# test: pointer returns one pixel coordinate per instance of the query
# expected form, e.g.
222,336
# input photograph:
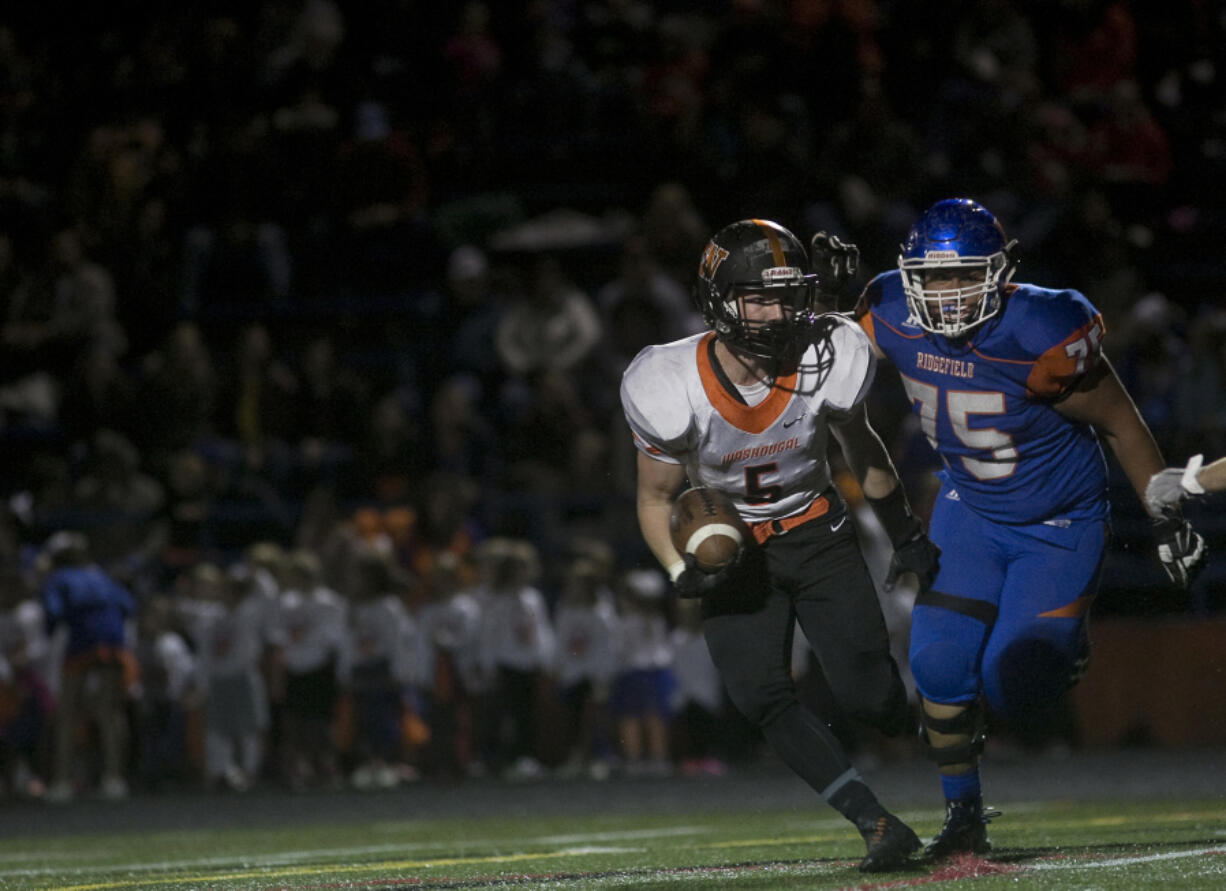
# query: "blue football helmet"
960,237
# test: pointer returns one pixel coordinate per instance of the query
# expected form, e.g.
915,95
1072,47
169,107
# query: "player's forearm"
872,468
1212,477
1101,401
867,457
658,482
653,514
1134,447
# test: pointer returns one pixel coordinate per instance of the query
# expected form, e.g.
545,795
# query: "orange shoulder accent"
865,321
1058,368
750,418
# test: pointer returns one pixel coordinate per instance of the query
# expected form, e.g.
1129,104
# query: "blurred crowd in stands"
311,311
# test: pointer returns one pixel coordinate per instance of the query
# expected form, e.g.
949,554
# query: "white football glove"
1168,487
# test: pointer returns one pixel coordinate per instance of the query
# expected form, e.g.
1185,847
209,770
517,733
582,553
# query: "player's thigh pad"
1040,628
752,650
950,623
837,606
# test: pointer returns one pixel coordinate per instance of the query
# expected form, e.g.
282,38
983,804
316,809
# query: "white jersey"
383,631
516,631
770,458
315,624
228,640
587,641
643,641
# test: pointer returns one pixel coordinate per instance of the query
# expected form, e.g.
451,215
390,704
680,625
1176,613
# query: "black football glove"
918,555
913,549
695,583
835,261
1180,549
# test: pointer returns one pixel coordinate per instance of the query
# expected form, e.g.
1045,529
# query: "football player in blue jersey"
1014,393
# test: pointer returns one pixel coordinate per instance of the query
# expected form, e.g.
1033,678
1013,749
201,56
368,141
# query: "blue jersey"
92,604
986,403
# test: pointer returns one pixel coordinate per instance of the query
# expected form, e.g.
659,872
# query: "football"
704,522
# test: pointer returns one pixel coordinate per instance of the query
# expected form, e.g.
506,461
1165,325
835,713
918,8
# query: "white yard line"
1121,860
288,858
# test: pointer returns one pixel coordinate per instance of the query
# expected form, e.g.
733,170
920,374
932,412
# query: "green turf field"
1049,845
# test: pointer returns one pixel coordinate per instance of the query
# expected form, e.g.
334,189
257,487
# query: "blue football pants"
1007,613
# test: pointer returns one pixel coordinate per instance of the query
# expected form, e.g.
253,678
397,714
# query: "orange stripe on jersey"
1058,368
645,445
1074,610
904,335
750,418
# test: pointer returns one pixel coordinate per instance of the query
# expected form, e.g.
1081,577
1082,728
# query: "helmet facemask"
956,238
953,312
774,338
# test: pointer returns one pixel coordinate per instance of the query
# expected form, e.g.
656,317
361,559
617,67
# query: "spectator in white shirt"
226,617
381,672
698,704
585,624
165,694
450,627
264,562
314,620
27,702
517,646
641,699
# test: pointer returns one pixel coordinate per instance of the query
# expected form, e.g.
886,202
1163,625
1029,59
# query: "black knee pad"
968,723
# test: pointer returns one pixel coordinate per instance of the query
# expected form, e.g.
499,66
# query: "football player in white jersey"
747,408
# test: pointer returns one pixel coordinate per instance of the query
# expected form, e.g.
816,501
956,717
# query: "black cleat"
965,830
890,843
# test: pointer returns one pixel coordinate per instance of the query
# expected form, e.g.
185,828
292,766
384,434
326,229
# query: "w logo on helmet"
712,257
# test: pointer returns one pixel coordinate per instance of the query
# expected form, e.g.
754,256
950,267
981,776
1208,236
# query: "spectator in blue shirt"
90,614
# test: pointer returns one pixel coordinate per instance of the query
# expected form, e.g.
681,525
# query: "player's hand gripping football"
835,261
918,555
695,583
1180,549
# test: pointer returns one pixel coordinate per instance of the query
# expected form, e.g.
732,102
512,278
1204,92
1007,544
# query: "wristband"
894,513
675,569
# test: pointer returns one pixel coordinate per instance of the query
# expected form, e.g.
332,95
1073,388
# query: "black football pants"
815,574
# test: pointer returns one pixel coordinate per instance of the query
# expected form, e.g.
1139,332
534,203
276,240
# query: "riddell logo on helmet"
780,273
940,255
712,257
